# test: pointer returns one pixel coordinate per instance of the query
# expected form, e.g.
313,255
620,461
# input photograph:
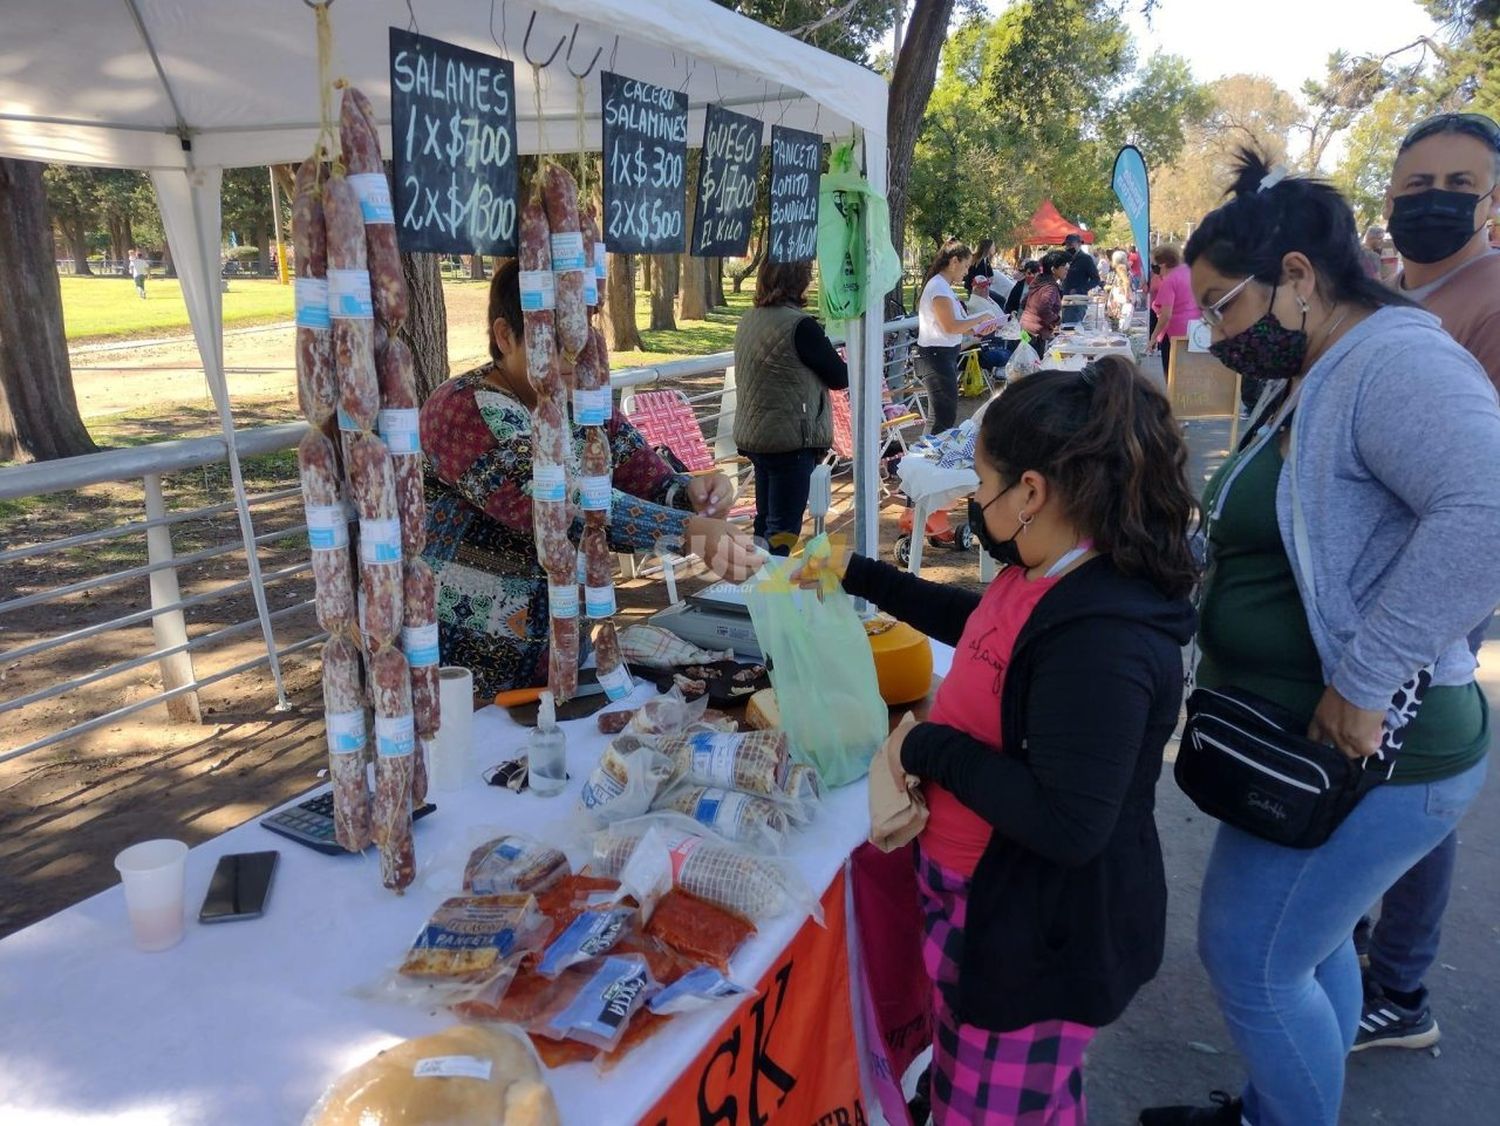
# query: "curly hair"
782,283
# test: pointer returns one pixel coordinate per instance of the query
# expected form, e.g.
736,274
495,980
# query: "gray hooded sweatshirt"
1394,464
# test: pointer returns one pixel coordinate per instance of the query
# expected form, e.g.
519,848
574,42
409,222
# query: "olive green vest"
780,405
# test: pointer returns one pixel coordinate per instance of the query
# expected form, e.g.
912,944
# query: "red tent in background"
1048,228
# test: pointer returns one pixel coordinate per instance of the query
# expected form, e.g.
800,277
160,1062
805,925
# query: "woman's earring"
1302,306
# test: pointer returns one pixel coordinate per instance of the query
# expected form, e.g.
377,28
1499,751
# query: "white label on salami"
420,644
595,493
453,1067
600,270
347,423
567,252
583,569
562,601
599,602
400,428
327,527
380,541
346,732
592,408
549,482
719,809
349,295
374,192
713,757
395,735
310,297
590,289
538,291
617,683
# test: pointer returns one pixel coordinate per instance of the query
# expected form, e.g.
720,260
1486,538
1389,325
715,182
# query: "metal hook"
318,3
526,46
572,39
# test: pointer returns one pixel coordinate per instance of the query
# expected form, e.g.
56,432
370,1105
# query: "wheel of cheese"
903,660
761,713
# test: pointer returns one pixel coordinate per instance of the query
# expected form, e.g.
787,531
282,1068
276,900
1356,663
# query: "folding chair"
892,430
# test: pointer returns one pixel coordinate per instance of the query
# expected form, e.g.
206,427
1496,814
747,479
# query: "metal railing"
171,649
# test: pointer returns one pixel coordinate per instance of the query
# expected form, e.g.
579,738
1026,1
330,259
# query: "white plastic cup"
153,874
452,751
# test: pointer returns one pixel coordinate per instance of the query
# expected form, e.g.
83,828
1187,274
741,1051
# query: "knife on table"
588,685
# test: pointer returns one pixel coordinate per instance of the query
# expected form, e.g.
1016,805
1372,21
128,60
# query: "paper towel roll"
452,751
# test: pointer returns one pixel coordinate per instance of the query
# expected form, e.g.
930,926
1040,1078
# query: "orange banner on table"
788,1056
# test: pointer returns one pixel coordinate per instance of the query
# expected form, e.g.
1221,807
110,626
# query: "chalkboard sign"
796,166
453,147
645,166
727,171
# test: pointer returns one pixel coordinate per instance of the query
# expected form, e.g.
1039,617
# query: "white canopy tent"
186,88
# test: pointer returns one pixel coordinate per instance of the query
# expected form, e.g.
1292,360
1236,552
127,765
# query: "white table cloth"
247,1022
930,488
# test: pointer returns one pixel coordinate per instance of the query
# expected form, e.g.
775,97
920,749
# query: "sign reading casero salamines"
453,147
796,167
727,172
645,162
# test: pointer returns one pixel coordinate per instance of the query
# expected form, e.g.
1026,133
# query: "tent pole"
201,293
867,378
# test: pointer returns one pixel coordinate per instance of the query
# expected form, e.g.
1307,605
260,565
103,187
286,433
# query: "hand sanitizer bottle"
546,753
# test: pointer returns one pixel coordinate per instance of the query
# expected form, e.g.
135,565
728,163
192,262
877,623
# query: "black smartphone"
239,888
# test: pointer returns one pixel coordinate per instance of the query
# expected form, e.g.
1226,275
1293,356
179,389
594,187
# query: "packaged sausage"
590,935
630,774
700,988
594,1003
513,863
756,762
743,818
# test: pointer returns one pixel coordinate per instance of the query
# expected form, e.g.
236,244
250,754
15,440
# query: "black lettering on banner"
645,166
453,147
796,168
761,1063
727,1111
727,173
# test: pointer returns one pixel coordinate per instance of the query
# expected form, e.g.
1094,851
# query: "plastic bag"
697,989
698,929
851,217
1023,361
972,382
743,818
755,762
709,867
822,669
630,774
671,713
594,1003
591,934
513,862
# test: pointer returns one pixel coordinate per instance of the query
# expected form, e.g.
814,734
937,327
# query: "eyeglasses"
1213,315
1473,124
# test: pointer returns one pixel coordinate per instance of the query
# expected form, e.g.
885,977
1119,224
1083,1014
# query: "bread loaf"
762,714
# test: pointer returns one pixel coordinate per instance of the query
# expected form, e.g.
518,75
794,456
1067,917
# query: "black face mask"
1004,552
1433,225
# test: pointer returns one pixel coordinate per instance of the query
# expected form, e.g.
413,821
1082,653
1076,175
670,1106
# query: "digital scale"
714,618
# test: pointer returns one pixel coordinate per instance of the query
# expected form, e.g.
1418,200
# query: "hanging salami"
317,381
395,746
344,715
398,427
349,307
327,533
560,201
367,176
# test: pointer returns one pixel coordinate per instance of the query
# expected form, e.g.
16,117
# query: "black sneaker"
1386,1024
1225,1112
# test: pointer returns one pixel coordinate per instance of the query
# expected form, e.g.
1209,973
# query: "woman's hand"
727,550
1356,732
711,494
890,751
809,573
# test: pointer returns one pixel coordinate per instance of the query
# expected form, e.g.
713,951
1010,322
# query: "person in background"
493,600
784,367
1137,270
1173,302
1030,269
1451,271
1042,894
941,325
980,266
1374,250
1121,293
1376,484
1083,272
139,268
1042,313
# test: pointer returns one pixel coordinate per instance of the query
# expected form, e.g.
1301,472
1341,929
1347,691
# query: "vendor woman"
492,592
1042,894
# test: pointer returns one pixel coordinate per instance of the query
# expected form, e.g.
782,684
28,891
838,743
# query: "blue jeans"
1274,933
1404,943
782,485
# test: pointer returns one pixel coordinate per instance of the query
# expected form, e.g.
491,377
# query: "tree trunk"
663,293
259,237
619,300
76,232
646,271
426,328
167,265
691,270
716,283
757,252
118,251
476,267
911,87
39,417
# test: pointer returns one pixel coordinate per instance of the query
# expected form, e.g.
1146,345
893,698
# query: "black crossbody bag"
1246,762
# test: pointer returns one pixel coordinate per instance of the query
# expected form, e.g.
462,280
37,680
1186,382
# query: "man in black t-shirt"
1083,271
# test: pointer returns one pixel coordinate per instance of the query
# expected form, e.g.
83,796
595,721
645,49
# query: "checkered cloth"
951,449
1030,1077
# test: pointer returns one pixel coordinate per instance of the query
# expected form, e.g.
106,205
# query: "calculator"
310,823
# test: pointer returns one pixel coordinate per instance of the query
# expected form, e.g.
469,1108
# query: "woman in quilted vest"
784,367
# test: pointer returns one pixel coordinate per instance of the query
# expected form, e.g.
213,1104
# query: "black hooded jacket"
1067,909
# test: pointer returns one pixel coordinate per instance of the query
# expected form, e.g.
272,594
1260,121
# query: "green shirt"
1253,630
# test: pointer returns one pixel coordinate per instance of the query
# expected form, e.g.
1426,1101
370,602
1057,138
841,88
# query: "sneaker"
1385,1024
1225,1112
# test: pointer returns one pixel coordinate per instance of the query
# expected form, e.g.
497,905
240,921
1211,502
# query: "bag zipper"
1263,742
1253,765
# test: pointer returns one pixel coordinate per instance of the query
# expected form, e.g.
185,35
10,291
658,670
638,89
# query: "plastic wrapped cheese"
468,1073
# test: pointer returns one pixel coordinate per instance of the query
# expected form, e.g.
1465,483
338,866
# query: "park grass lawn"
107,308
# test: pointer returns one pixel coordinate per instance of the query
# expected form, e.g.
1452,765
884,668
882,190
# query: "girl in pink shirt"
1173,300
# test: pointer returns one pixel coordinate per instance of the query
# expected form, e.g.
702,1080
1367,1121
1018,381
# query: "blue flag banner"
1134,193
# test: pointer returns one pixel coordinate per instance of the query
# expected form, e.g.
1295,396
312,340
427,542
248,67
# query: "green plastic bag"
850,215
821,668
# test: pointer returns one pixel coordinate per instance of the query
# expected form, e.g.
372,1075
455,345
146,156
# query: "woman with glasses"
1352,540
